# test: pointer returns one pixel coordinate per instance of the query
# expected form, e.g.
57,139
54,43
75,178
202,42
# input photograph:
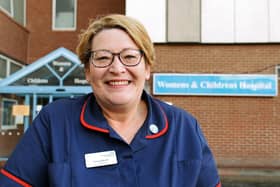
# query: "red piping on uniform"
14,178
219,185
85,124
163,131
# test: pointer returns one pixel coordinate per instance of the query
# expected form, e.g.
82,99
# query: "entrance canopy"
58,73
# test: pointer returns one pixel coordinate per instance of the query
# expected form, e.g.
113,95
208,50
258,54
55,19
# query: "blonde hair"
132,27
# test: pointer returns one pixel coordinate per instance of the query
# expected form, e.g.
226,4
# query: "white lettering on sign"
163,84
80,81
37,81
214,85
56,63
256,86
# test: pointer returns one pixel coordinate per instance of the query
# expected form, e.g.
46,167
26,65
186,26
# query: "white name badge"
101,159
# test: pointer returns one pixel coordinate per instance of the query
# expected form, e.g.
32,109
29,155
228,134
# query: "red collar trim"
89,126
14,178
93,127
164,130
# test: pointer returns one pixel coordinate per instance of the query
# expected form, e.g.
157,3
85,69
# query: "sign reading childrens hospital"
215,84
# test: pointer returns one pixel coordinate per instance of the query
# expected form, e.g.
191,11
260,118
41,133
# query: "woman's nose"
117,66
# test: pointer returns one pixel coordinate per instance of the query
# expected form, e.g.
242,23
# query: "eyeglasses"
104,58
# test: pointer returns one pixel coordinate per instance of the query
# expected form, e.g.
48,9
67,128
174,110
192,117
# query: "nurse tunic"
70,143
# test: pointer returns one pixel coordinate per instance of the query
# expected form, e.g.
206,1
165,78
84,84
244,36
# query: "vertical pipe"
34,105
26,118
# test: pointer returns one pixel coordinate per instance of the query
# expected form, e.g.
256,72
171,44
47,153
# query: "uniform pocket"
59,175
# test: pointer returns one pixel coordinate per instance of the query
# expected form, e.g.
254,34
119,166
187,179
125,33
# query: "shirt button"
153,128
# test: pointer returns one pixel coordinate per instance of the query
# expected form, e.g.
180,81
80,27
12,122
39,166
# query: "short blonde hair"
132,27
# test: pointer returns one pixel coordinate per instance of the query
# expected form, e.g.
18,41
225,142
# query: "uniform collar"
156,124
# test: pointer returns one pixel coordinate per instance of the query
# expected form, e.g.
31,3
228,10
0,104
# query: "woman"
118,135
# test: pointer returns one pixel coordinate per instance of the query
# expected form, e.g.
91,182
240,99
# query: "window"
6,6
8,120
14,67
15,9
64,14
8,66
3,68
19,11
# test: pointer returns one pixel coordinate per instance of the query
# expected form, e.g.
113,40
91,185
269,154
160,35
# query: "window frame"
8,66
54,17
7,126
6,71
24,12
13,62
12,13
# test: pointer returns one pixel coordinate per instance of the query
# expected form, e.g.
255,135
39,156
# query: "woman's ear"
147,72
147,76
87,74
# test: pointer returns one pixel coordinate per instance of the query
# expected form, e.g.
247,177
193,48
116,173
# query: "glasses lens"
130,57
101,58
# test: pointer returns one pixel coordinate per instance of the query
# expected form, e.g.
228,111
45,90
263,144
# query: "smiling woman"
118,86
118,135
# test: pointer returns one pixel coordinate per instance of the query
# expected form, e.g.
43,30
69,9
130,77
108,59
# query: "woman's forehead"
112,38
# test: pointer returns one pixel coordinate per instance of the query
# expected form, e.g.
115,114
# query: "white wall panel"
152,13
184,21
217,21
274,14
251,21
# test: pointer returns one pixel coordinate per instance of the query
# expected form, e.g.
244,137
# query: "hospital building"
219,60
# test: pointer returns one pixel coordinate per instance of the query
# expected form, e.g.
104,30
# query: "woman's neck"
126,121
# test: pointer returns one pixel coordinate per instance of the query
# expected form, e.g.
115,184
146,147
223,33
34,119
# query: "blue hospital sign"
215,84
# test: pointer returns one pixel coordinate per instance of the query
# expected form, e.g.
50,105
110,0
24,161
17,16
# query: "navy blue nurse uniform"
70,143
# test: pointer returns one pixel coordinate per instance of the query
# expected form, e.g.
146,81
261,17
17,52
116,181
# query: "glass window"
8,120
3,68
6,5
19,11
14,67
42,76
76,77
15,9
64,14
8,66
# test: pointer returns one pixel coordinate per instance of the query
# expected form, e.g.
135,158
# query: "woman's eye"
102,58
130,57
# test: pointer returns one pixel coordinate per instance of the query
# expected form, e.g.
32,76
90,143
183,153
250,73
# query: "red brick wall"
13,38
242,131
43,40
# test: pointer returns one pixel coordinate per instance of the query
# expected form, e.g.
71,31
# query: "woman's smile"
117,83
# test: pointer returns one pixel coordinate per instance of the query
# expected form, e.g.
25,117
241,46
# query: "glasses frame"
113,57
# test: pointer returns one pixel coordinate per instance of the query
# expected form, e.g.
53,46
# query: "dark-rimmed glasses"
104,58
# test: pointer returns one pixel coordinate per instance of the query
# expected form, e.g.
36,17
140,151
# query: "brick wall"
13,38
44,40
242,131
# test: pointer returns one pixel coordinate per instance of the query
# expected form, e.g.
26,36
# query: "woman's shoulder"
63,106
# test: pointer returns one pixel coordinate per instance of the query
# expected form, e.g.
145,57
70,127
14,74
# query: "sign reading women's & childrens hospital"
215,84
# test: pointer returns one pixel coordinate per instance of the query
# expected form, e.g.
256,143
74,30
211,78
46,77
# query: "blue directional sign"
215,84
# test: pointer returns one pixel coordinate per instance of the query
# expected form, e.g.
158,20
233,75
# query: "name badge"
100,159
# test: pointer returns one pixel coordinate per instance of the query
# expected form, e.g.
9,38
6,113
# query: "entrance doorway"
57,75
